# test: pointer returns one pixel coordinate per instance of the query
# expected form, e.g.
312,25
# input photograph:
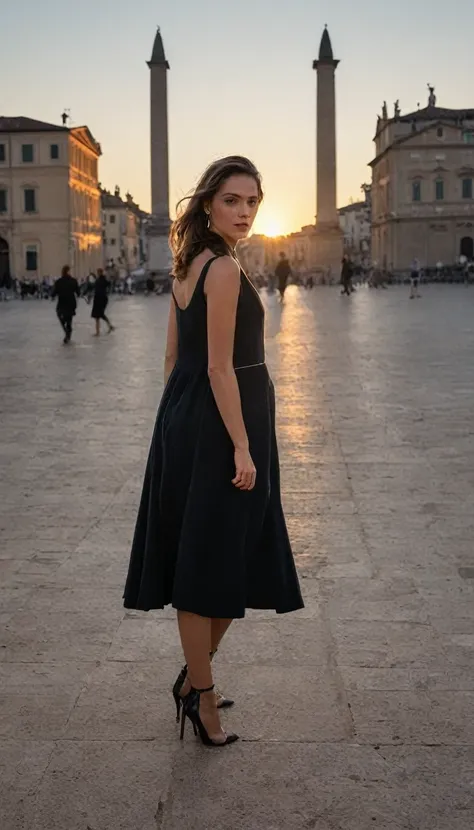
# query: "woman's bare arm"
171,354
222,288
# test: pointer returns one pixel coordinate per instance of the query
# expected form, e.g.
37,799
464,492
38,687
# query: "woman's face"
234,208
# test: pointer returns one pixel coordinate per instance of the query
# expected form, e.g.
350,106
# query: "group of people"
66,291
373,281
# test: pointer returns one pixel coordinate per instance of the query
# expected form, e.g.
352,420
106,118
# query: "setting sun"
272,228
269,224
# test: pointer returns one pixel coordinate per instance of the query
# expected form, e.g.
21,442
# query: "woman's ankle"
208,700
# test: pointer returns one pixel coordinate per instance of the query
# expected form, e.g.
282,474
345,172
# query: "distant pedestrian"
282,273
150,286
346,276
66,289
89,287
415,279
101,299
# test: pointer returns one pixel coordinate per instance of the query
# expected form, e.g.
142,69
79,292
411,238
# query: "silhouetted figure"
415,279
282,273
101,299
346,276
66,289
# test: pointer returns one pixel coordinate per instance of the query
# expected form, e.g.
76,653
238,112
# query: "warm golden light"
272,228
269,223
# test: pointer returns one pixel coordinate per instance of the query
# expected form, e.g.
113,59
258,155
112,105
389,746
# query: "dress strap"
199,282
205,270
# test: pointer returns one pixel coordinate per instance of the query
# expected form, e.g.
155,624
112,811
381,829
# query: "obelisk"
328,237
159,256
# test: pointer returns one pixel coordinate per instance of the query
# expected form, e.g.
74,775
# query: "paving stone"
121,785
323,787
37,700
420,717
22,766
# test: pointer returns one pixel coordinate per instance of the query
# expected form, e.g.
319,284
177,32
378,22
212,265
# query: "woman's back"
191,311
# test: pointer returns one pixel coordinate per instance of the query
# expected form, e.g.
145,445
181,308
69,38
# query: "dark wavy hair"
189,234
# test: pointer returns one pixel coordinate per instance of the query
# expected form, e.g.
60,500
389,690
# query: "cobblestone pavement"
356,712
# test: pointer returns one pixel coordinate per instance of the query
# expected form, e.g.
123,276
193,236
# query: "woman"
101,299
211,537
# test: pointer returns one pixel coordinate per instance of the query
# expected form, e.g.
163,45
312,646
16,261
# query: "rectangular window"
439,190
3,201
54,151
30,200
416,192
31,258
27,154
113,241
468,136
3,153
112,219
467,188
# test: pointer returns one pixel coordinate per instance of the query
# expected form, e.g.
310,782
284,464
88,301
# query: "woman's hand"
245,472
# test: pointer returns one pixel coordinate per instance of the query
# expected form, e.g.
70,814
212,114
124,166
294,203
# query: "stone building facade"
423,187
356,225
122,226
49,199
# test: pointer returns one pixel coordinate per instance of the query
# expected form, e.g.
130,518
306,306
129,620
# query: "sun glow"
269,224
272,228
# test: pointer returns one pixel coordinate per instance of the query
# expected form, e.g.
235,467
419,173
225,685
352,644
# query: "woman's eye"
229,201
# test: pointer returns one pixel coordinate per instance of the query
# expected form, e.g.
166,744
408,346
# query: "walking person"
415,279
66,289
101,300
282,273
346,276
210,536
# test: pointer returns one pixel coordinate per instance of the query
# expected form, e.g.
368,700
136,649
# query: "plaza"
355,712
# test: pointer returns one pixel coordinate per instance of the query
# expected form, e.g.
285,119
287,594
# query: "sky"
241,81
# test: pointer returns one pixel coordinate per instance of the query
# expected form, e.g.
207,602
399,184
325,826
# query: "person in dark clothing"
150,286
346,276
282,272
66,289
101,299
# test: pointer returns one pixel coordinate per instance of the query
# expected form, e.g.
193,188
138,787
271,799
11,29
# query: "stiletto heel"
178,685
191,710
222,701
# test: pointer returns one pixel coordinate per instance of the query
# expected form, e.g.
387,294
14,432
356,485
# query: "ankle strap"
201,691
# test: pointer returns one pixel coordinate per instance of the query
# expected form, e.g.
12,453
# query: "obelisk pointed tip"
158,57
325,47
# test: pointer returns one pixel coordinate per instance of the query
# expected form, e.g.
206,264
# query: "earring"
208,214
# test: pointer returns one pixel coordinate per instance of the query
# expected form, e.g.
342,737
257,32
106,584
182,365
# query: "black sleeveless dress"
200,543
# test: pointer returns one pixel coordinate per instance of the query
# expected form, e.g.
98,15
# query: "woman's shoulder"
223,272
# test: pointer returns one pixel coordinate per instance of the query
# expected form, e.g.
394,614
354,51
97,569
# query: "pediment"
84,135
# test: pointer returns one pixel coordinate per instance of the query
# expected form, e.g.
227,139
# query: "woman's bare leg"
219,627
195,633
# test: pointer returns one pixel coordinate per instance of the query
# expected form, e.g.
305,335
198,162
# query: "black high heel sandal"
222,701
191,711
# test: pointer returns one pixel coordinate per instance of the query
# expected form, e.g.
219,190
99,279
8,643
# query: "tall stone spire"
328,231
159,259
